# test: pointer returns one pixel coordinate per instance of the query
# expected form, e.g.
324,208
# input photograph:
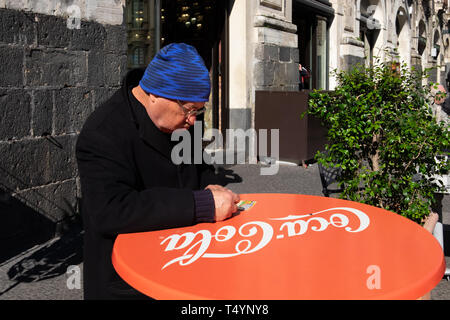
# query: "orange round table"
286,247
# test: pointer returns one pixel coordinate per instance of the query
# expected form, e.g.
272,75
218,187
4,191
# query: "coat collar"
147,130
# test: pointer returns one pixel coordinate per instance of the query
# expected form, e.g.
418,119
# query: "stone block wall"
276,68
275,47
51,79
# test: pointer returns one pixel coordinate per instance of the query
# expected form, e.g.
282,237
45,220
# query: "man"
128,180
303,76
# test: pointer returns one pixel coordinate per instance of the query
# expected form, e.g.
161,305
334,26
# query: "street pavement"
52,270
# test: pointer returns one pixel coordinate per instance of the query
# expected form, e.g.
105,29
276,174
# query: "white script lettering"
258,234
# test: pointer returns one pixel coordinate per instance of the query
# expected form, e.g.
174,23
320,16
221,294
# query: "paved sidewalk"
41,272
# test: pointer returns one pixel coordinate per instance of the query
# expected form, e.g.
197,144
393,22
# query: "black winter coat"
128,184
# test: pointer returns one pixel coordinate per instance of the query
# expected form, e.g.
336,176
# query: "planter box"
300,138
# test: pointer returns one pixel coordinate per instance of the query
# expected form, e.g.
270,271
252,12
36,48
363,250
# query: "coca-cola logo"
255,235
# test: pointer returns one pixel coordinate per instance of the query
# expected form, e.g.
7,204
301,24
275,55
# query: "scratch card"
245,205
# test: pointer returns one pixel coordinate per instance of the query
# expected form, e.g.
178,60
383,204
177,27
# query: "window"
422,39
139,56
142,28
138,13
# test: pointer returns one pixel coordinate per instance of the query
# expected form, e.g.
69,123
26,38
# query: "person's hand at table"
225,201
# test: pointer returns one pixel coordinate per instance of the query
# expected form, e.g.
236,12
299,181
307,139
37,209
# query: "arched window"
422,38
403,36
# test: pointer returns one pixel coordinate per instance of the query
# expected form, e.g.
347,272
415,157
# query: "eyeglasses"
191,112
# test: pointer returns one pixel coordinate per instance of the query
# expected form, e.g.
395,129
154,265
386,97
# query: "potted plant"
383,137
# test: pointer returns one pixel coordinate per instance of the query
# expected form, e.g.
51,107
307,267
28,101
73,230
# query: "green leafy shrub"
383,135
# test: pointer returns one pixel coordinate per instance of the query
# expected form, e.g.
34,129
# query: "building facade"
262,42
415,32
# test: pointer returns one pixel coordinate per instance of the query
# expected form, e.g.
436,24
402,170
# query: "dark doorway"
313,20
204,25
21,227
197,23
152,24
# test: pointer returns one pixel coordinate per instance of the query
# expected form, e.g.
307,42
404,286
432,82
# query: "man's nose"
191,119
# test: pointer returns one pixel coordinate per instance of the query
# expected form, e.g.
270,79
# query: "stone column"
276,47
351,46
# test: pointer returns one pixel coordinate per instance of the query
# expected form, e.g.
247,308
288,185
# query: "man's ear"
152,98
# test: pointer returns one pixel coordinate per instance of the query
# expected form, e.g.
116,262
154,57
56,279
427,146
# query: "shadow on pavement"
21,227
54,256
51,260
226,176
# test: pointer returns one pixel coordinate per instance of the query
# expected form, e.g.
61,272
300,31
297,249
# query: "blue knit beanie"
177,72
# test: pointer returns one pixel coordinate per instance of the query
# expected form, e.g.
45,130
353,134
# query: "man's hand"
225,201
